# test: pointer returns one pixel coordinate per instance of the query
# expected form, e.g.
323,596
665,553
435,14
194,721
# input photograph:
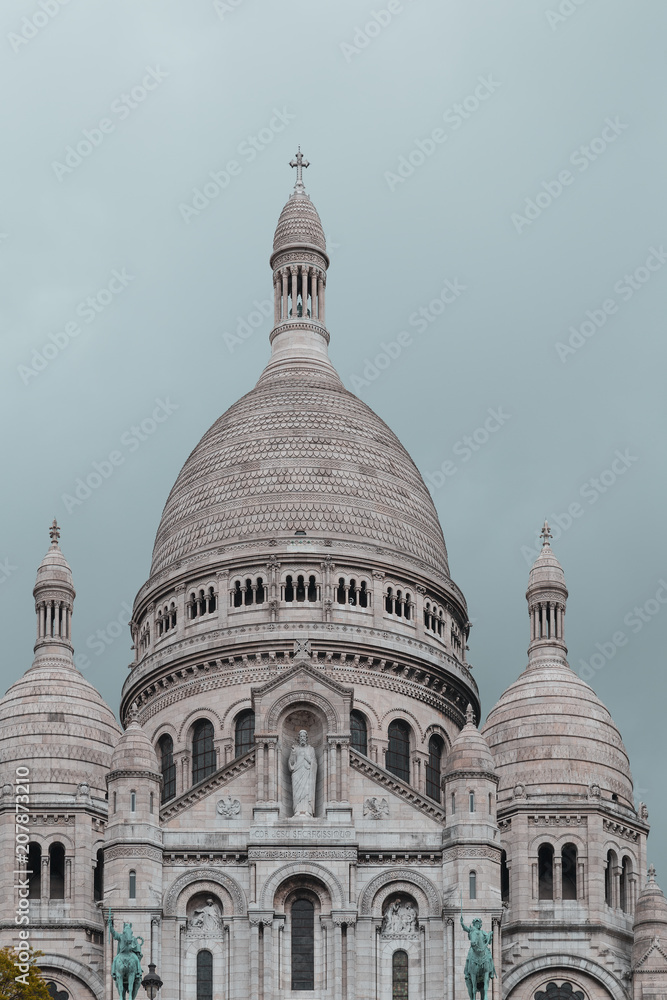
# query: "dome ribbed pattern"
299,452
299,225
549,730
469,752
134,751
54,717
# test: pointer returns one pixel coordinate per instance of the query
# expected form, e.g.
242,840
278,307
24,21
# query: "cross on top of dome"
545,533
651,873
54,532
300,163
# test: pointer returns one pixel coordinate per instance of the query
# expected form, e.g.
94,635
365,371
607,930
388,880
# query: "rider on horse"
126,966
479,968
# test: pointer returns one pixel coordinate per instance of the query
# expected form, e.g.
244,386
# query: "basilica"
303,800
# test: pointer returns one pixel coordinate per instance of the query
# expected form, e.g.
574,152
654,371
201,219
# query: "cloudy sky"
491,181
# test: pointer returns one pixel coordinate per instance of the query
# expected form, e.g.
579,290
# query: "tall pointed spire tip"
54,532
300,163
545,534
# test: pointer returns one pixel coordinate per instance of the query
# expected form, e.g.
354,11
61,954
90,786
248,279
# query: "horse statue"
126,966
479,968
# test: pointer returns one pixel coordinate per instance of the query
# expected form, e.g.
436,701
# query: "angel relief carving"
400,919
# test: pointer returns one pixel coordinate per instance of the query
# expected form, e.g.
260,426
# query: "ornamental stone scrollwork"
212,881
404,880
376,808
150,853
320,872
400,920
228,807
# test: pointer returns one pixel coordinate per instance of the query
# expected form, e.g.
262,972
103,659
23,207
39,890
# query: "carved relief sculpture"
303,768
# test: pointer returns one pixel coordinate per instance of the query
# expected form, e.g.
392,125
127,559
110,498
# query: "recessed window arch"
244,732
204,975
398,751
132,884
568,857
545,871
624,887
563,992
609,872
358,732
436,746
302,919
399,975
472,884
56,871
165,747
35,867
98,876
203,750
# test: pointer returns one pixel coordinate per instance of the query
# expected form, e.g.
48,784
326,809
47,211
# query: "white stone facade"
300,582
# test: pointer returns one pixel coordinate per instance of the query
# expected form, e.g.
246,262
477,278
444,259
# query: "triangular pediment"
302,682
300,671
654,949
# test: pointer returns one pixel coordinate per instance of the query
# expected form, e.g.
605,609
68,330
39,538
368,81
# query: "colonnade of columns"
54,620
547,620
298,281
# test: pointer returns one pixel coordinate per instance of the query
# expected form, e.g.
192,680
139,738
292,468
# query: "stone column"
344,770
283,309
333,778
337,959
276,299
254,959
378,598
294,270
557,877
222,609
267,929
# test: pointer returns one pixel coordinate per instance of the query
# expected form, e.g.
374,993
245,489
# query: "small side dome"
299,225
54,570
651,910
134,752
546,571
470,751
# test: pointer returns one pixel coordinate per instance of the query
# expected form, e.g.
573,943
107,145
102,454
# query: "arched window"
300,589
238,594
569,869
167,766
471,802
358,733
204,975
626,868
399,975
303,945
340,591
472,884
259,593
133,884
363,595
211,601
98,876
203,751
453,803
35,866
289,590
433,768
389,601
56,871
398,752
504,878
563,992
133,801
312,589
609,878
545,869
55,992
244,732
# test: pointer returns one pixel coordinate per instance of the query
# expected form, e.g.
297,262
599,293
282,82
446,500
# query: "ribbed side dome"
54,721
134,752
469,752
299,452
299,225
550,731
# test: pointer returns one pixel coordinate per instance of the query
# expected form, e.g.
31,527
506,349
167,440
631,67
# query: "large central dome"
300,453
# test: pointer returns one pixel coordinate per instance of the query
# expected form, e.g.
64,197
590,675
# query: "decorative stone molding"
461,853
215,780
211,881
180,858
228,807
387,858
400,880
569,964
132,851
620,830
558,820
378,774
319,872
302,854
71,967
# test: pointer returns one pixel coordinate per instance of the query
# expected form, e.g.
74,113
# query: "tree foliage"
10,989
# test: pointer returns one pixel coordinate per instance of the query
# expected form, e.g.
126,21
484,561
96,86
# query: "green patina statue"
479,968
126,966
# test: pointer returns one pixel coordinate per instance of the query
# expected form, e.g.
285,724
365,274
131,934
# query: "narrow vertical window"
133,801
398,752
433,768
167,766
545,869
203,751
569,870
56,871
471,802
472,885
399,975
244,733
358,733
35,866
151,799
625,884
504,878
133,885
303,945
98,876
114,801
204,975
453,802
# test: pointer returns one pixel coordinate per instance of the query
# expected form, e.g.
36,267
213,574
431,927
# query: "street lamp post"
152,982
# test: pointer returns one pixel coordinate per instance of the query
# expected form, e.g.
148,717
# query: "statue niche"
302,736
204,916
399,919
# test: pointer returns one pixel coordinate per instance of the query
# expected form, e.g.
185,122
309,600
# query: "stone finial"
54,532
133,713
545,533
651,873
300,163
302,650
470,715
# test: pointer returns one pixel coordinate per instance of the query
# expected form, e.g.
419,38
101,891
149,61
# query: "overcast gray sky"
515,150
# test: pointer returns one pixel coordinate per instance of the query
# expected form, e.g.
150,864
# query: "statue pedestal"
339,813
266,814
